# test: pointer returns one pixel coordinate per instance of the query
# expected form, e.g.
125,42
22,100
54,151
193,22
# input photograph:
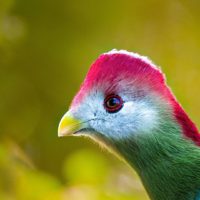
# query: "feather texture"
151,132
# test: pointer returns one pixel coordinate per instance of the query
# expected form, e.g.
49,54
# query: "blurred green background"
46,48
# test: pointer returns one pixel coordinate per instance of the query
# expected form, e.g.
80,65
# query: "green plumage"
169,165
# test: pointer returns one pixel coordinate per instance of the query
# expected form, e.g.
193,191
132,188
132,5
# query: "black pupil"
113,102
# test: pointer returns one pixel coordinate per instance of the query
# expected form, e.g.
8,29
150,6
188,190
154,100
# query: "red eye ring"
113,103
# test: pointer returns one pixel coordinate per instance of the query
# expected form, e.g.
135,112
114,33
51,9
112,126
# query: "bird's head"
124,96
125,104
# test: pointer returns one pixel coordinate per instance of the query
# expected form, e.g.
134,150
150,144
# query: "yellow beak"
68,125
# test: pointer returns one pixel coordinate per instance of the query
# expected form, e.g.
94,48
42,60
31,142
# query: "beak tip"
60,134
65,131
68,125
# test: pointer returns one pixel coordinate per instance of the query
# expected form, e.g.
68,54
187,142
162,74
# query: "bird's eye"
113,103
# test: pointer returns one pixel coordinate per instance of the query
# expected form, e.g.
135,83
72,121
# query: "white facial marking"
141,112
135,117
128,108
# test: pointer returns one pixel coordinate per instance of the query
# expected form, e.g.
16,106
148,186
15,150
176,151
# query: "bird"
126,106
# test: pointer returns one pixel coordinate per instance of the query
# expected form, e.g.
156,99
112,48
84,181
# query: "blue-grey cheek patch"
133,118
137,116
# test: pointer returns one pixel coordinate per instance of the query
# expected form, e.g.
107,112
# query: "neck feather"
167,163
